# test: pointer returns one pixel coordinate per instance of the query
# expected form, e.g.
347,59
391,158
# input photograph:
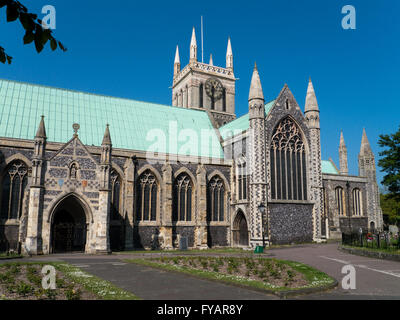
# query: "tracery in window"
14,184
242,181
288,163
215,199
147,202
339,197
182,198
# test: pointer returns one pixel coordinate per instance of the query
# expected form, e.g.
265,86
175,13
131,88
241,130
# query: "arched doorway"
240,230
69,226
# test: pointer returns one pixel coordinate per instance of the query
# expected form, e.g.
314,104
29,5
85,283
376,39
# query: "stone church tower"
205,86
366,168
258,179
311,114
344,170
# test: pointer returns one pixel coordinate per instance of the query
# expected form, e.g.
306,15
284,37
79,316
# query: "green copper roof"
134,125
328,167
241,124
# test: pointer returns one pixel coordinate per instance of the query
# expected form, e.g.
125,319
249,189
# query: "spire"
177,63
177,59
342,143
211,60
193,47
365,146
107,137
256,91
343,156
311,99
229,55
41,132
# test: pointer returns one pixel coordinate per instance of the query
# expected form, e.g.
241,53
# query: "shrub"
73,294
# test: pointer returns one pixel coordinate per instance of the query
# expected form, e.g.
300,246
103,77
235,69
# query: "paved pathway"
375,279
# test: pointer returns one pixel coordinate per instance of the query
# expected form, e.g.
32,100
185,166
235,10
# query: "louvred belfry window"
15,180
147,202
288,163
182,198
215,199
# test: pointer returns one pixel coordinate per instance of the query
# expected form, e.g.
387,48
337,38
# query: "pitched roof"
328,167
131,122
241,124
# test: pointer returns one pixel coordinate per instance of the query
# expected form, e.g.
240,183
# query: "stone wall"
290,223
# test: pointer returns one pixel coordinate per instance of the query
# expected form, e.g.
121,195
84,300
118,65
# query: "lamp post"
261,208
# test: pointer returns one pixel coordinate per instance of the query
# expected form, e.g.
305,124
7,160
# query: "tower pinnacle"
193,46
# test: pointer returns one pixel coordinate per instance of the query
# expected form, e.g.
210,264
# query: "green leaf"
29,37
61,46
9,59
45,36
2,57
12,12
38,43
53,44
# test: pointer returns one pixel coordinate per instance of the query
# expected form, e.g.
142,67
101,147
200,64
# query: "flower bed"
268,274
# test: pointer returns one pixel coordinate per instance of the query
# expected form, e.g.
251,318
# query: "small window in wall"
201,95
357,202
242,182
340,201
115,195
287,104
224,100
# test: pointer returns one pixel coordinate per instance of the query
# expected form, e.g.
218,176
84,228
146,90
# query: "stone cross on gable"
76,127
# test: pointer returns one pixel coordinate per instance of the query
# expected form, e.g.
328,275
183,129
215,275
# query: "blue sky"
126,49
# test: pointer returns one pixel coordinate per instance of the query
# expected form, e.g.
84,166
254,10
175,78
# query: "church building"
83,172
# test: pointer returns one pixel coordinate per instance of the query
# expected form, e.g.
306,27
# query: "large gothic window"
182,198
115,195
15,180
357,204
147,189
242,181
215,199
340,200
288,163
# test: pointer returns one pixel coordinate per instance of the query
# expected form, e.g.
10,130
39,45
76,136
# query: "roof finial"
107,137
76,127
311,99
41,132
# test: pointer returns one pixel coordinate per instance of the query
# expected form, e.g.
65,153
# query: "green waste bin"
259,249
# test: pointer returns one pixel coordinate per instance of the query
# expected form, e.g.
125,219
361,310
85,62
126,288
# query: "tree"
390,163
390,209
34,30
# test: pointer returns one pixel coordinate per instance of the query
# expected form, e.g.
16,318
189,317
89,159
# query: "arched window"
115,195
357,204
201,95
182,198
147,202
242,181
288,163
340,200
15,180
215,199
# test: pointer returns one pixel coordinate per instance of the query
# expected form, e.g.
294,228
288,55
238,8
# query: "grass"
315,278
24,281
189,251
9,255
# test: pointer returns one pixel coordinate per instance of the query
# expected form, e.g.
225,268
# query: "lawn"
23,281
271,275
